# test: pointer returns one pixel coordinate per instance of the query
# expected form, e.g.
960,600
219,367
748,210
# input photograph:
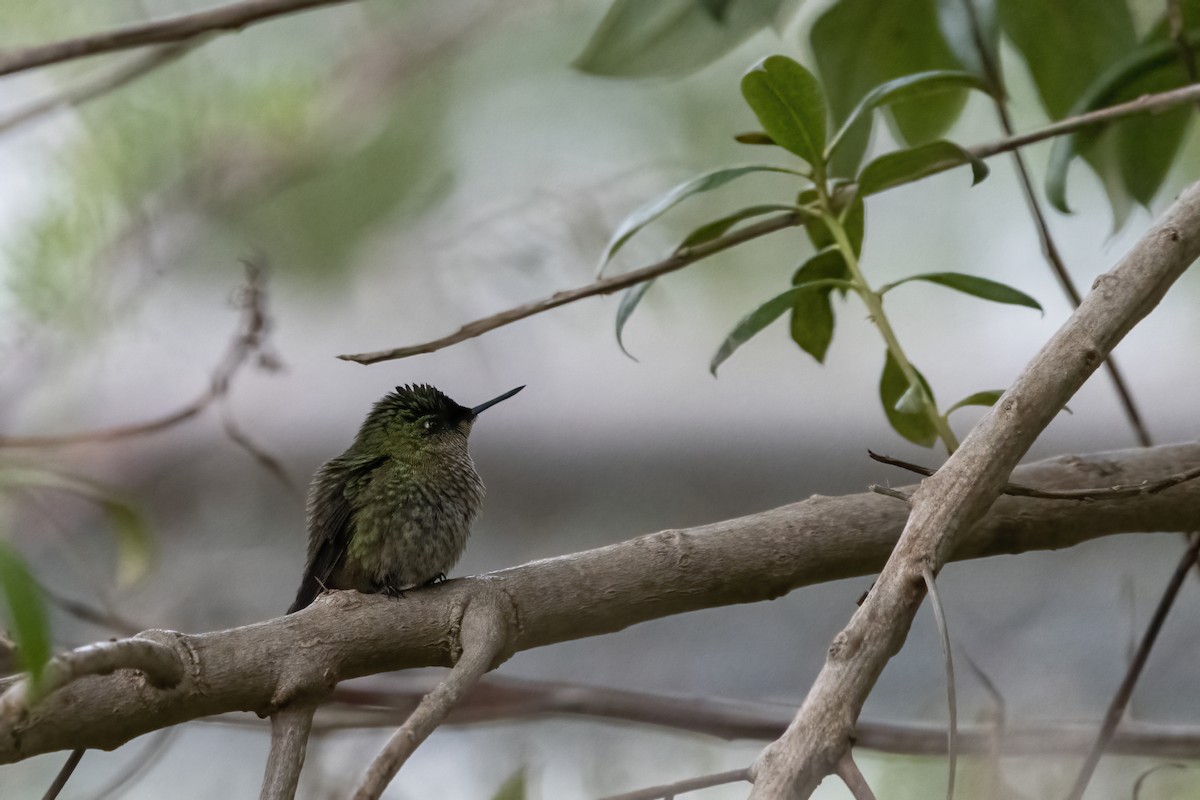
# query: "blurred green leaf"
656,208
719,227
909,87
670,37
955,18
764,315
788,101
812,312
135,544
973,285
860,44
912,422
513,788
754,137
906,166
1148,144
629,301
27,618
986,398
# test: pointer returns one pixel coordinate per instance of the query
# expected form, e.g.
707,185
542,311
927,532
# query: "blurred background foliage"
402,168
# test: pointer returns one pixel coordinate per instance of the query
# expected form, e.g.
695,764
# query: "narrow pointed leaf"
965,39
986,398
1115,83
764,315
655,209
629,301
719,227
812,312
908,87
670,37
973,285
913,421
905,166
789,103
25,612
754,137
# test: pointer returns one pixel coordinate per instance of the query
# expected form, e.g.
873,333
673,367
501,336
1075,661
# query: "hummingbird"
394,511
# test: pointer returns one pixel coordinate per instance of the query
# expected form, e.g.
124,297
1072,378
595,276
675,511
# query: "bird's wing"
330,515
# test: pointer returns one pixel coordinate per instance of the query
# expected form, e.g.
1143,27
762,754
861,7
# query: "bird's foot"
392,590
436,579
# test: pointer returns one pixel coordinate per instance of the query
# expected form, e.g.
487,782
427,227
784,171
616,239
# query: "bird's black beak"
485,406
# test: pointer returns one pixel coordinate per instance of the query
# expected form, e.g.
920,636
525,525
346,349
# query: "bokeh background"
403,168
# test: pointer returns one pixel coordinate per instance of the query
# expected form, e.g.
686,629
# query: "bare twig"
227,18
1017,490
96,86
64,774
1116,708
939,614
888,491
848,771
484,635
669,790
677,260
1141,779
249,341
137,766
108,620
949,503
290,728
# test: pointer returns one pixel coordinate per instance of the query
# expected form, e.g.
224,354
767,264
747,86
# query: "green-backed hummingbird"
394,510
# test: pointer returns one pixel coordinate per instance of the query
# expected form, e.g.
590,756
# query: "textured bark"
265,666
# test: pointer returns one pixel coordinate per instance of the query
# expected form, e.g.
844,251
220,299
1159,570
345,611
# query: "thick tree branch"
951,501
269,665
227,18
688,255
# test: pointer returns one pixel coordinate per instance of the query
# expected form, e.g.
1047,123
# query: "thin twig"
228,18
64,774
1141,779
850,774
669,790
888,491
1116,708
248,341
677,260
138,766
686,256
939,616
108,620
96,86
483,634
1017,490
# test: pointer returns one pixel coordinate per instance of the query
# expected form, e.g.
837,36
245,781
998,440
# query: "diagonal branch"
227,18
949,503
688,255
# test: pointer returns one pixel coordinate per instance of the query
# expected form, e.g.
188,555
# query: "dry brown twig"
686,256
669,790
1017,490
950,501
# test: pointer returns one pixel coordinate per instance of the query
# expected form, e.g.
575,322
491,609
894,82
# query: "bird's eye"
428,424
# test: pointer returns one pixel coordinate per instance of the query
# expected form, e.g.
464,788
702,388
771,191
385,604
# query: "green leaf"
670,37
955,18
909,87
972,285
135,545
986,398
719,227
754,137
788,101
1148,145
905,166
26,612
812,312
912,422
655,209
860,44
629,301
764,315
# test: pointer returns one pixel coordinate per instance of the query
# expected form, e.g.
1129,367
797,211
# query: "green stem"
874,303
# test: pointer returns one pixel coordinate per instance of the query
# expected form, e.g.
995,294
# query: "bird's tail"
310,587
